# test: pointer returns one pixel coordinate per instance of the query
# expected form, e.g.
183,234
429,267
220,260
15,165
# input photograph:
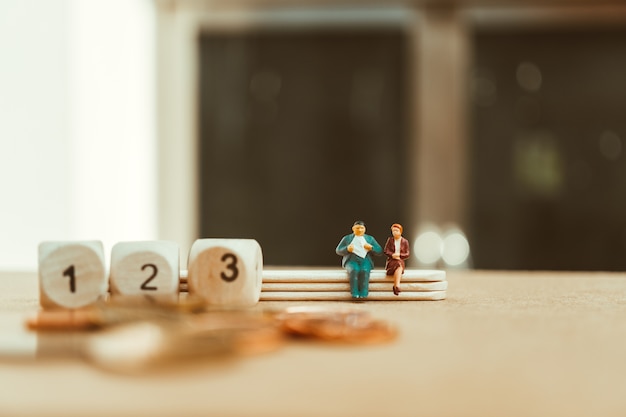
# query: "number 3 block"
147,267
226,272
71,274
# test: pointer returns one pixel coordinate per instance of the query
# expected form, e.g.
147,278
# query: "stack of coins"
332,285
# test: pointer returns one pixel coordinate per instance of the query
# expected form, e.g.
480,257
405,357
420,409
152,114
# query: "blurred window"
301,133
549,165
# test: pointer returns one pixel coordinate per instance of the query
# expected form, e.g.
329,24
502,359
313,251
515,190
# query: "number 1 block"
71,274
226,272
145,268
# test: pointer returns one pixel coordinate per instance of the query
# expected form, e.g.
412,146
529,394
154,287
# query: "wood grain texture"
72,274
226,272
144,267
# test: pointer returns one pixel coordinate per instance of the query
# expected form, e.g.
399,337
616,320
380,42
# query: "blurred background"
492,130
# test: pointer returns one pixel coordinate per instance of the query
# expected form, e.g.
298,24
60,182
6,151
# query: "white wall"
77,140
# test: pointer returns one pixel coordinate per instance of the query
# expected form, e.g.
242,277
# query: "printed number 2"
232,267
155,271
71,273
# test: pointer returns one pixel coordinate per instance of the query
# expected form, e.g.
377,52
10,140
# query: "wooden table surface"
502,344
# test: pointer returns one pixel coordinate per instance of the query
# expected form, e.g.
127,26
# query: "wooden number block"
72,274
226,272
148,268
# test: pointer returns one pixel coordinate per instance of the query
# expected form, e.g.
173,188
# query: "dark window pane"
301,133
548,158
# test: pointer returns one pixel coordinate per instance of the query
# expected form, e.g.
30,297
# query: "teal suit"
358,268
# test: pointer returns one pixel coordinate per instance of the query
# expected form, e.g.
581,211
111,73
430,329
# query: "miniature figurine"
397,250
356,249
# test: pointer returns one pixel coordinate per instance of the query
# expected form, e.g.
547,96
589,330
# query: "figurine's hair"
359,223
398,225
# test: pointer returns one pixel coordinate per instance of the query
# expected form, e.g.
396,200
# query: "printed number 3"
232,267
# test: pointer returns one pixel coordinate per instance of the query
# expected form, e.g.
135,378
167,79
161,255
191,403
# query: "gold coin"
339,325
248,332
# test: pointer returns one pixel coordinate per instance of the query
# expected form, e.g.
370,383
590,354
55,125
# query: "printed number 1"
71,273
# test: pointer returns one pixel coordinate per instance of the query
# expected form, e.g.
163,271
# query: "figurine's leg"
353,275
397,275
364,283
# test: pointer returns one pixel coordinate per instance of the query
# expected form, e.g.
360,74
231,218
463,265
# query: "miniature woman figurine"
356,249
397,250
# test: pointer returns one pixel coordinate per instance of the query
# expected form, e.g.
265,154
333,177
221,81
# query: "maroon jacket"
390,249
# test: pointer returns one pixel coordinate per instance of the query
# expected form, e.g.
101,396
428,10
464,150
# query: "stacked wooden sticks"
333,285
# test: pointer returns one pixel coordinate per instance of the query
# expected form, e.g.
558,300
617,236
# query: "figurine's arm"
376,248
342,247
404,249
390,247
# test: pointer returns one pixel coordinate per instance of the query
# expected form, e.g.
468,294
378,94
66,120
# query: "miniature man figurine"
397,250
356,249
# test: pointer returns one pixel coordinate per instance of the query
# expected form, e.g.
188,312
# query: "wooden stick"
345,296
340,275
316,286
345,286
339,286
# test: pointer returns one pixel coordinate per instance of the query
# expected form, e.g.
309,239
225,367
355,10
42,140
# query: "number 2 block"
145,268
72,274
226,272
